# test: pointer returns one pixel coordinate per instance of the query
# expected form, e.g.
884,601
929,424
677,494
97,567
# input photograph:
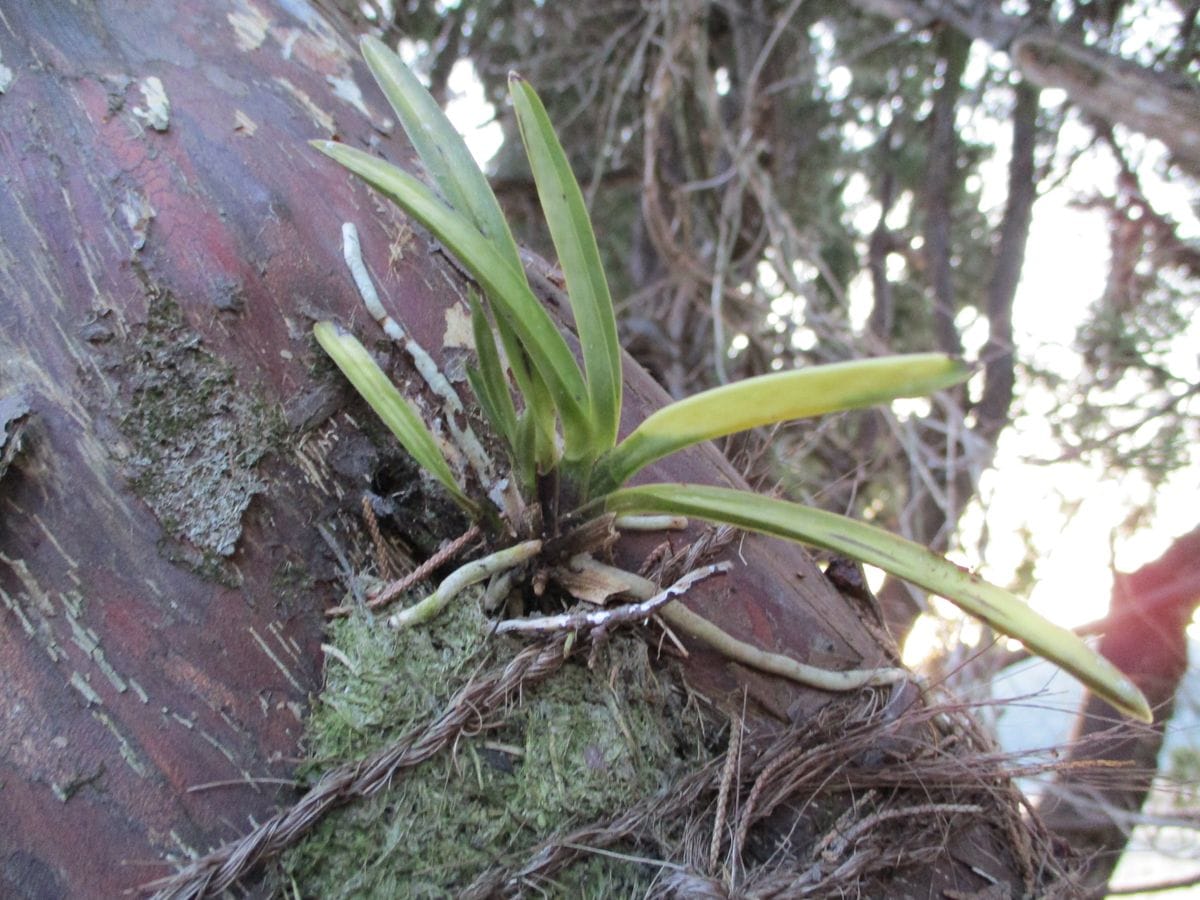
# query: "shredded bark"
904,802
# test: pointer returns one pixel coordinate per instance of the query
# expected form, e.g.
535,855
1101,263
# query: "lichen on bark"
196,436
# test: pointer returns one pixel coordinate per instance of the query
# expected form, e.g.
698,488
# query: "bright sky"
1064,273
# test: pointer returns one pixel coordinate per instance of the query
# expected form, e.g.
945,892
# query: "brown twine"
471,709
382,557
420,573
732,757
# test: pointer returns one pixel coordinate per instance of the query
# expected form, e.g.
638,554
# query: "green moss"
583,746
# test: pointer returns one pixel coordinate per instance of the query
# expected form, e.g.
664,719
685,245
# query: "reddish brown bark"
161,567
1145,636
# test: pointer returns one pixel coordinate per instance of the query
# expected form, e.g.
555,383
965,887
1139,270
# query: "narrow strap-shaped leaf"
539,407
777,397
441,148
525,453
575,242
902,558
507,288
490,382
389,404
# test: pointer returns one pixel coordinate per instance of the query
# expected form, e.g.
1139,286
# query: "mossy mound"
583,746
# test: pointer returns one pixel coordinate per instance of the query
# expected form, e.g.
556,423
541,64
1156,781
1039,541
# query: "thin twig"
609,618
239,782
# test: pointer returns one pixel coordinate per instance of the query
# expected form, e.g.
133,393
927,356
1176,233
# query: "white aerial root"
650,523
654,601
463,436
679,616
462,578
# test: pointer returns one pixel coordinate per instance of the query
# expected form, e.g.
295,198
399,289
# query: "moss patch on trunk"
583,746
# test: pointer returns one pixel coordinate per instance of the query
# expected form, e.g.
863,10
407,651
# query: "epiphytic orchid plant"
558,421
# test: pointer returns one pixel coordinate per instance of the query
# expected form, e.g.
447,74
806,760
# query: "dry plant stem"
679,616
608,618
472,709
464,437
419,574
463,577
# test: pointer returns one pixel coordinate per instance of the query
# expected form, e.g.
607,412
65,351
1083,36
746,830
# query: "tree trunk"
177,488
1145,635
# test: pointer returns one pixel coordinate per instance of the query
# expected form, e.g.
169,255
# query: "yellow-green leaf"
505,287
777,397
389,404
441,148
575,242
489,382
902,558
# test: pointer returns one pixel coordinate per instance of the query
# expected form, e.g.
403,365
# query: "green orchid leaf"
525,454
396,412
575,242
441,148
902,558
489,382
466,189
539,406
506,287
777,397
